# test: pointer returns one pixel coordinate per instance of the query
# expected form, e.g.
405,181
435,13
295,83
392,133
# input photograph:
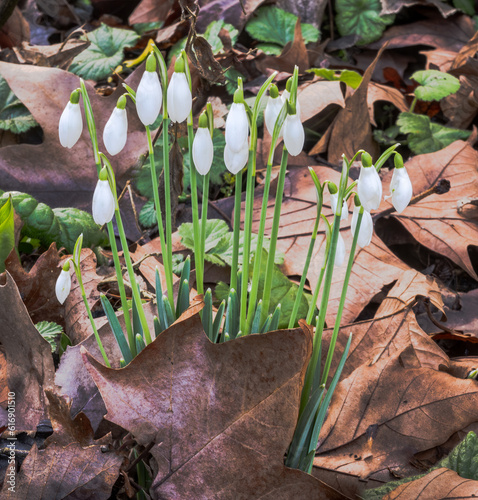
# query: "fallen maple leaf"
29,361
221,415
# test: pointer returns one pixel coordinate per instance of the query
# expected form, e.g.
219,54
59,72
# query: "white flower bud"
179,98
116,131
203,150
149,97
366,227
294,135
71,125
103,203
369,188
340,252
237,128
333,205
271,113
63,285
401,189
236,161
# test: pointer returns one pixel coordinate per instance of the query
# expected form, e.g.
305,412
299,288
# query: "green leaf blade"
434,85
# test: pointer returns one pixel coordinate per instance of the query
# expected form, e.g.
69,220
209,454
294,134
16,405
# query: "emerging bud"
366,227
116,129
274,105
149,97
237,127
236,161
179,97
294,136
401,189
71,122
63,283
286,96
203,150
103,200
340,252
369,188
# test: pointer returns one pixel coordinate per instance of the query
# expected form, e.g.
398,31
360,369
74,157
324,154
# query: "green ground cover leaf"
105,52
362,18
274,25
351,78
51,332
14,116
434,85
7,232
425,136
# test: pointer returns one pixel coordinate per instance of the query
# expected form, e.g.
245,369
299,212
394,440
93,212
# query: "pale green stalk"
204,207
236,230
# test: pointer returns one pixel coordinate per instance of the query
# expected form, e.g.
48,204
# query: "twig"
426,302
139,457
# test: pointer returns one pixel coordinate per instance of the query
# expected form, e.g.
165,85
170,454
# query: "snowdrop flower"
71,122
149,95
271,113
237,126
294,136
369,185
203,149
63,283
116,129
401,189
286,95
103,200
236,161
340,252
180,100
334,198
366,227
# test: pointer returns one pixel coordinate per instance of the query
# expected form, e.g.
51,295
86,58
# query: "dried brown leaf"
377,92
220,426
29,361
395,6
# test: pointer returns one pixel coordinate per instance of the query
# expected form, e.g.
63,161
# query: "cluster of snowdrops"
244,311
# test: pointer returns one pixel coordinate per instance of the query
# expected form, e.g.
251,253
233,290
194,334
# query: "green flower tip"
291,108
366,160
75,97
151,63
121,104
203,120
179,66
274,91
103,174
357,201
288,84
332,187
238,96
398,160
66,265
122,363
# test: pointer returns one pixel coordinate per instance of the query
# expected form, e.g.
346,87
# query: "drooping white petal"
236,161
237,127
340,252
369,188
366,227
149,97
203,150
103,203
63,286
401,189
179,98
294,135
71,125
272,112
115,132
333,205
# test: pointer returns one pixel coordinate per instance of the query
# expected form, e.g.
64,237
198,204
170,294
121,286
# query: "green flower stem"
309,378
195,208
205,198
119,279
412,106
310,312
266,297
313,238
246,250
159,219
338,318
167,200
134,284
92,321
236,230
90,122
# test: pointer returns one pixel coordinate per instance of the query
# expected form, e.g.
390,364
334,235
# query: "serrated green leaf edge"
434,85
